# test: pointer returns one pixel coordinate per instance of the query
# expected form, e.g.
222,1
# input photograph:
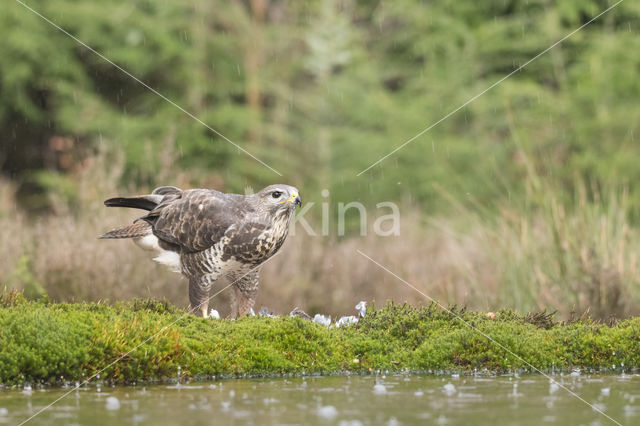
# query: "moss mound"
50,343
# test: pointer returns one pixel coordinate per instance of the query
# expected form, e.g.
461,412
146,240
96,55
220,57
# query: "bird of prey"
207,235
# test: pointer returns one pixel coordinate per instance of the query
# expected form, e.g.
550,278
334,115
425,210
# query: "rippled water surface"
369,400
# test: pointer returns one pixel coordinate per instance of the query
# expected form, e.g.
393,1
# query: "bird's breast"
257,248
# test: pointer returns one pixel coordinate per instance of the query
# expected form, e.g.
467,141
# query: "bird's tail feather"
136,230
144,202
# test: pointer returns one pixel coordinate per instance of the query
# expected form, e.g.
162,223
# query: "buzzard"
207,235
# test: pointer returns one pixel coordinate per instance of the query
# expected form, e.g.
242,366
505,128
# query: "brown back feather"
180,220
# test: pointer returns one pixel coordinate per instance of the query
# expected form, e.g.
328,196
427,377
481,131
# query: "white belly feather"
168,258
148,242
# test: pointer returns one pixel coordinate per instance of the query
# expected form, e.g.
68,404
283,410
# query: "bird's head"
279,198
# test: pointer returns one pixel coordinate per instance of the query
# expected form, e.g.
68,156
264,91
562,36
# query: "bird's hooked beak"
295,198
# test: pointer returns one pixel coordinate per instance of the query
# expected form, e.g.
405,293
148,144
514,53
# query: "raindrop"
393,422
379,389
449,389
112,403
327,412
514,392
350,423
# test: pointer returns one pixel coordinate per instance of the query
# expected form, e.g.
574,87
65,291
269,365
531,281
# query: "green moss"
50,343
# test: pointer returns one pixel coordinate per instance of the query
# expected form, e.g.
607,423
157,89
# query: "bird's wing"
195,219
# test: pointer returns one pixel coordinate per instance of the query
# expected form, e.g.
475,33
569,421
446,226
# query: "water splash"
112,403
379,389
327,412
449,389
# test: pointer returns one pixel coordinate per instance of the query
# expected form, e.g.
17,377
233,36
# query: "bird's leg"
244,299
233,300
245,290
204,309
199,295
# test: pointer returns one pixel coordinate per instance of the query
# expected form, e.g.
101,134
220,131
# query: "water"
368,400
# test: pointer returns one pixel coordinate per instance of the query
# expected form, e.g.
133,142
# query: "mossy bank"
55,343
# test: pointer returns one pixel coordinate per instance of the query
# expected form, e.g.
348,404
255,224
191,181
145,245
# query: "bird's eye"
276,194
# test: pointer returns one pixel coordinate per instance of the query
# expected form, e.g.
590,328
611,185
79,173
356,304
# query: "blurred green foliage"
320,90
